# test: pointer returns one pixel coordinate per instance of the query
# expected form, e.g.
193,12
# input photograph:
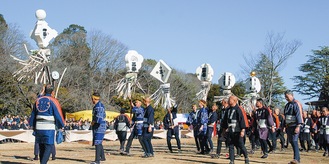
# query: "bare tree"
277,51
15,97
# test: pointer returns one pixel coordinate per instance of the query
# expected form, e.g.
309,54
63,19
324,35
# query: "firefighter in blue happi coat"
136,126
192,121
202,120
46,116
98,127
293,122
148,128
138,111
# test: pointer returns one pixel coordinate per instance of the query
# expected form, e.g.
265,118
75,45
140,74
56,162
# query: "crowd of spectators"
11,122
16,122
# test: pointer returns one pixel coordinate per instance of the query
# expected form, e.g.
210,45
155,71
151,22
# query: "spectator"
86,125
75,126
67,126
14,126
25,125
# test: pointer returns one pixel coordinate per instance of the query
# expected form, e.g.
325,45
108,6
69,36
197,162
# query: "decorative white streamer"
205,87
127,85
162,96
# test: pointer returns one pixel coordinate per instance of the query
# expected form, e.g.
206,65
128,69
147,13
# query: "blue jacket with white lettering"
45,117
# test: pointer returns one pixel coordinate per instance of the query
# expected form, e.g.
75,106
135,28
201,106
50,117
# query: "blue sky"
188,33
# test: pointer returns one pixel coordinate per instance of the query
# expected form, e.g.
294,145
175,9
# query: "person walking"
121,125
263,120
235,123
293,115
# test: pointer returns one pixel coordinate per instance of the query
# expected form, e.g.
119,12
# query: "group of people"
232,123
9,122
141,126
262,125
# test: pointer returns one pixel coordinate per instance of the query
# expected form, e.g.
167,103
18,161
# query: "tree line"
95,62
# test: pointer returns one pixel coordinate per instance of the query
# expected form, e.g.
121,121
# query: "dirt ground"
82,152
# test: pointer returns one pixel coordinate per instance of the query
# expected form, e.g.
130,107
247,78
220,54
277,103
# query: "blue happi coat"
202,119
192,119
139,116
99,126
45,117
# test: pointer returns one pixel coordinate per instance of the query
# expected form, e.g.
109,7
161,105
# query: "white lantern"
133,61
205,72
226,80
42,33
253,85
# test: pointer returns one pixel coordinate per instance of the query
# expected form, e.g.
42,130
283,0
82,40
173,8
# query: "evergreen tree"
315,81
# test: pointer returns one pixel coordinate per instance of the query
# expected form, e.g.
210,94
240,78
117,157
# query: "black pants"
122,135
45,150
99,153
252,139
305,137
170,133
263,144
235,140
133,134
220,141
146,141
203,143
280,135
36,150
196,138
272,138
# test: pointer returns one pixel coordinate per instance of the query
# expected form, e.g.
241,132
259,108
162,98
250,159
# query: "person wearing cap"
171,125
202,120
121,124
293,122
148,128
192,121
98,126
235,123
45,117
